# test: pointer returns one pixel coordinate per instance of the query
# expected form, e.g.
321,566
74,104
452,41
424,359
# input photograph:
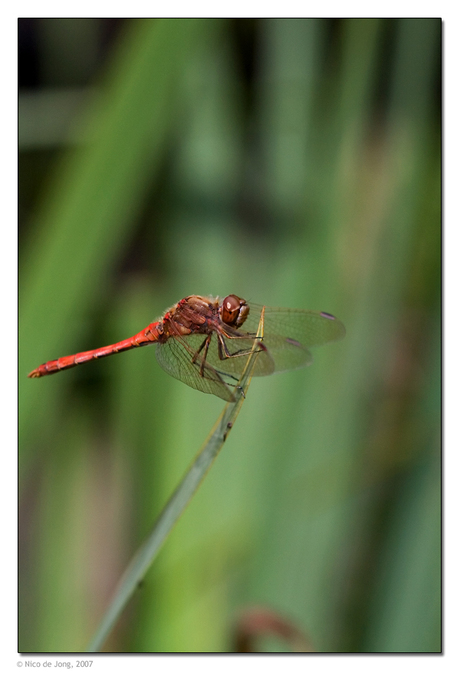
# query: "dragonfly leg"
205,353
195,357
206,343
197,352
224,352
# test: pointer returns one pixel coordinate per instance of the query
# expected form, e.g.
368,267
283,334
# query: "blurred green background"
296,163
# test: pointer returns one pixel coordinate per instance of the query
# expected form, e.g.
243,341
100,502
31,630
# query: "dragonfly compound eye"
234,310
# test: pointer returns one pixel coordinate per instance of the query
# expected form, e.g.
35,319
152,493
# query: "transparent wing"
288,334
176,358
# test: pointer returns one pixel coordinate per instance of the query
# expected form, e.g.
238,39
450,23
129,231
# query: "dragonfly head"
234,311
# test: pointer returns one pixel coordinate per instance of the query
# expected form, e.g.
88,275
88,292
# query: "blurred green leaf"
83,227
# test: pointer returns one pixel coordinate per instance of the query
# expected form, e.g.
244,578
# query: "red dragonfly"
204,342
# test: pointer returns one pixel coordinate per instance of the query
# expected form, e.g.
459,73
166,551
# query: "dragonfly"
205,342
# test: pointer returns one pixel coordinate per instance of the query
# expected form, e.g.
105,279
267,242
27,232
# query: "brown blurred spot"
257,622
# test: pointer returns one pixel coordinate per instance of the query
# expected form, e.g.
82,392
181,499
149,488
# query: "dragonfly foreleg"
224,352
